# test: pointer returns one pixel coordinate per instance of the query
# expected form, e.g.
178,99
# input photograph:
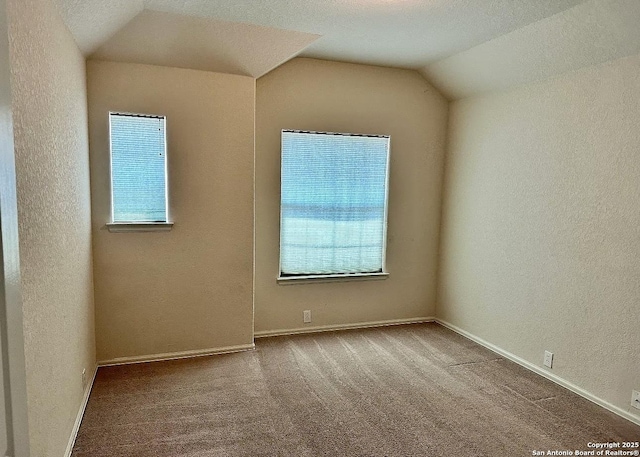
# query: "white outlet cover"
306,316
548,359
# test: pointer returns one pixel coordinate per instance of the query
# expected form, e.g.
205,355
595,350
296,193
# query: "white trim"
318,132
175,355
385,224
13,374
124,227
542,372
149,116
166,172
288,280
331,328
83,407
337,277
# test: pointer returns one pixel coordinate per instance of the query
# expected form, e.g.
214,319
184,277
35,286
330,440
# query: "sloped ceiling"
594,32
92,22
464,47
398,33
203,44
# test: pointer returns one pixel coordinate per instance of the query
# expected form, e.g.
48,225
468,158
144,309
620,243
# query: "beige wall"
310,94
190,288
51,147
541,239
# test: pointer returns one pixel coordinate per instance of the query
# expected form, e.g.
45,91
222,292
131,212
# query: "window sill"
289,280
121,227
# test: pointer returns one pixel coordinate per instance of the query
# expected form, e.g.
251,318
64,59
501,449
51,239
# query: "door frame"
11,333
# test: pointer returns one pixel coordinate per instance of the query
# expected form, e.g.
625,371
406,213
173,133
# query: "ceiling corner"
93,22
203,43
435,83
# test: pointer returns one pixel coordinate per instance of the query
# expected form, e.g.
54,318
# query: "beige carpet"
415,390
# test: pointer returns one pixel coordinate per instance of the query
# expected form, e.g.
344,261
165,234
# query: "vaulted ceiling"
463,46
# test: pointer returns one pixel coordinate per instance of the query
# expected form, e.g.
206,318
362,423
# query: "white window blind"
333,203
138,168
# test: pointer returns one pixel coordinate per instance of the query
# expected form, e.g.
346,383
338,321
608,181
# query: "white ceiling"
92,22
402,33
463,46
591,33
166,39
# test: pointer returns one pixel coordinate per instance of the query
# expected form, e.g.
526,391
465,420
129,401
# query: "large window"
138,169
333,213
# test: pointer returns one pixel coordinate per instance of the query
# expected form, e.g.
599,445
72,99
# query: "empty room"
319,228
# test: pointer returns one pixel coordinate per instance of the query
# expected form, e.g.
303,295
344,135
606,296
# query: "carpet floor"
413,390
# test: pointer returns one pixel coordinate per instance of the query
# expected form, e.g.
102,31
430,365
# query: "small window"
333,213
138,169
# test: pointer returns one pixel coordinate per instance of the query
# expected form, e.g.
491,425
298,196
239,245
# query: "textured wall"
190,288
51,147
541,237
309,94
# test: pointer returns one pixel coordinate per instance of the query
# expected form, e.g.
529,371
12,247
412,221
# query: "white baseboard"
175,355
550,376
83,407
331,328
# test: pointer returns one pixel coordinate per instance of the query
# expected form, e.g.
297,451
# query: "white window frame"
137,226
338,277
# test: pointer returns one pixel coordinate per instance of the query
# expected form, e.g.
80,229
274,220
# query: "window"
138,169
333,208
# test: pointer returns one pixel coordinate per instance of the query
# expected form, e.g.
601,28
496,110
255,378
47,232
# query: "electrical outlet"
84,378
548,359
306,316
635,399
